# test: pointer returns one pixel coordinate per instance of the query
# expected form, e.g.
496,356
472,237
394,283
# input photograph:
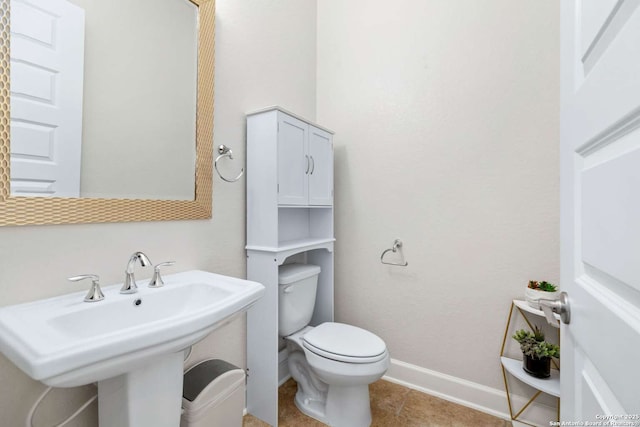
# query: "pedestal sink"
131,345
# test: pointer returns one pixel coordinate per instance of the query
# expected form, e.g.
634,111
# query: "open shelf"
513,367
306,206
523,305
305,244
291,247
299,225
549,385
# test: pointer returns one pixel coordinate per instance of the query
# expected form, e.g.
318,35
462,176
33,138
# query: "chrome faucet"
156,281
95,293
130,286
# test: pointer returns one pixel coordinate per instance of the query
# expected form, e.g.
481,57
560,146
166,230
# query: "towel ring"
225,151
397,247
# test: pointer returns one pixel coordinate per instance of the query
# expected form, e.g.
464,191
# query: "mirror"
167,86
103,99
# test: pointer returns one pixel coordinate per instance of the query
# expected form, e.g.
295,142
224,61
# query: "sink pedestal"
150,395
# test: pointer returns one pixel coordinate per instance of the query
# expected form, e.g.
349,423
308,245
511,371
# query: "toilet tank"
297,285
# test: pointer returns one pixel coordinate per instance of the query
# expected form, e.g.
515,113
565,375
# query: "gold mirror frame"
56,210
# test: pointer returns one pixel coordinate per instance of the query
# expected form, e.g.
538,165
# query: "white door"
321,172
293,161
600,210
47,60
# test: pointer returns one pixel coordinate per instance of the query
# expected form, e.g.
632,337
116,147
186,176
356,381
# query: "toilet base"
344,407
348,406
313,408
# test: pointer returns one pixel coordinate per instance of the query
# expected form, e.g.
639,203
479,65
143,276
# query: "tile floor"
392,405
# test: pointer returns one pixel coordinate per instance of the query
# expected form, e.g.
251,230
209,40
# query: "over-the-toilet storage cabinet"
289,215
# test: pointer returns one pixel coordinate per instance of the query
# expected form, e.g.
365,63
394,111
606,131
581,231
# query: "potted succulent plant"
540,290
537,352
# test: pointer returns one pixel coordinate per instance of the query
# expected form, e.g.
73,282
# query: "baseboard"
472,395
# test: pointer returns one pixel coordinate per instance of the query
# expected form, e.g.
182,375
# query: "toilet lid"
345,343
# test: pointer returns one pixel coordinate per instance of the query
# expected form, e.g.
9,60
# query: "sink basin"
66,342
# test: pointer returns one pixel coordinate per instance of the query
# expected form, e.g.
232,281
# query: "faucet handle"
156,281
95,293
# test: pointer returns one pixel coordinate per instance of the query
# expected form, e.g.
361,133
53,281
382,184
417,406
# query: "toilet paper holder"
397,247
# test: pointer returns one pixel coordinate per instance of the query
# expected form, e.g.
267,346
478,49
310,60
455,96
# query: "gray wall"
446,118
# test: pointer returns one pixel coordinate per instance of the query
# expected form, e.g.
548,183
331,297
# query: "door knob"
559,306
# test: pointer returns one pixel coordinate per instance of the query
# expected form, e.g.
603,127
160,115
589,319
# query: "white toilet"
332,363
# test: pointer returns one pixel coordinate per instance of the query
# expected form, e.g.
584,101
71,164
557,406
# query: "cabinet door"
321,171
293,161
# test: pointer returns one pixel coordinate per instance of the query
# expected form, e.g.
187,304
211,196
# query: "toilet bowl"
333,363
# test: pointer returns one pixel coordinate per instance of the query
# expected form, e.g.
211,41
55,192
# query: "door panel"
293,161
609,83
33,82
600,207
607,330
602,21
321,173
47,62
595,14
596,396
610,202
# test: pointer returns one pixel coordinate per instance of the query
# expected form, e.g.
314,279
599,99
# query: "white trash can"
213,395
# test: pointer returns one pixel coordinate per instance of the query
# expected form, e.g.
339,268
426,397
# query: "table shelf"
513,367
549,385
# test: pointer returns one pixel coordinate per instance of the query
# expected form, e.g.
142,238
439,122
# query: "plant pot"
539,368
533,295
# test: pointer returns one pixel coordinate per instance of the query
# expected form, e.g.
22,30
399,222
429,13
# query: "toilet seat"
344,343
